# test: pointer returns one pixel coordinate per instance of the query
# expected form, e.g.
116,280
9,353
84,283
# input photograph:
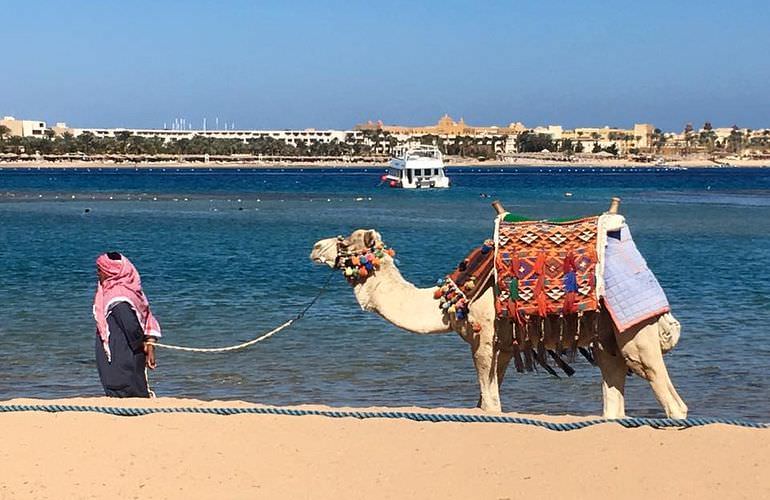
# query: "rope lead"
243,345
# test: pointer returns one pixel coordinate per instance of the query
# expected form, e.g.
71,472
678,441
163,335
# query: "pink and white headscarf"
121,283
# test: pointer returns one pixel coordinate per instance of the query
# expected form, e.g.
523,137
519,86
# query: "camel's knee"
641,350
669,330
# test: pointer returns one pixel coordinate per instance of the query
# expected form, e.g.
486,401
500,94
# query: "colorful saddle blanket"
545,268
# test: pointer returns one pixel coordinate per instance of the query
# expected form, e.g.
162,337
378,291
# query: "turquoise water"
224,257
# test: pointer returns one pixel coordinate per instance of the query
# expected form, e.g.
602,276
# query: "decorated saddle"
545,268
549,283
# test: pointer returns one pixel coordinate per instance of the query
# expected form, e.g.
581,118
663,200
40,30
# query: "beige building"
639,137
24,128
446,126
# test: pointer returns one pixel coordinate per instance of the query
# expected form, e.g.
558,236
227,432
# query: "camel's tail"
668,331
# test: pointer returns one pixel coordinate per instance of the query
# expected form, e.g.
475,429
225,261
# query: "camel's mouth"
317,259
321,253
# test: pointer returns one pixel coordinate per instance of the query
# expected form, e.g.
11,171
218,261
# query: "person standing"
125,328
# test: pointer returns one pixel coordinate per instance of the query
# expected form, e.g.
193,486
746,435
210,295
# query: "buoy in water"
393,184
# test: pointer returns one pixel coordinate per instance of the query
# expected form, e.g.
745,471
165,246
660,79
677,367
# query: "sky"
333,64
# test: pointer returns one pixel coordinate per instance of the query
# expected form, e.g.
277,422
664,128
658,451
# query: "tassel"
517,359
542,301
540,298
573,348
528,359
499,308
543,362
587,355
513,312
561,364
560,342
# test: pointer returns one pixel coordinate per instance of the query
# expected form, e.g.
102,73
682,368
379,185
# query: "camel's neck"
388,294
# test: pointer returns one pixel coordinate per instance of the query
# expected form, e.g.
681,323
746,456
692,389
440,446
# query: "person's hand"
149,352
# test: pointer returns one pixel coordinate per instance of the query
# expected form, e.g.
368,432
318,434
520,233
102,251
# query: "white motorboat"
415,167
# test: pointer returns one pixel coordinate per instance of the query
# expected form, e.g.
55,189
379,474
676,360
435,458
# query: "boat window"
409,175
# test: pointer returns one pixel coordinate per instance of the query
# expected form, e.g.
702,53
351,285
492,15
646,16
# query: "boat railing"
415,152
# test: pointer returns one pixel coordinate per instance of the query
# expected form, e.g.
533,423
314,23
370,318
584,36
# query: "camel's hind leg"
614,371
640,346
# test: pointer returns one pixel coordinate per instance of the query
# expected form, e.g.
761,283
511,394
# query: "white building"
292,137
24,128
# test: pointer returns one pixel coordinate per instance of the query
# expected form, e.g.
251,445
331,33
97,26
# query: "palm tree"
658,140
688,137
4,131
735,140
85,142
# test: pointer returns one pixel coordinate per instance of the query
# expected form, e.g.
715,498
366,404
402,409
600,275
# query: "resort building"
24,128
445,126
291,137
638,138
447,133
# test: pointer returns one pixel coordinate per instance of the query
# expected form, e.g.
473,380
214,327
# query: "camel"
386,293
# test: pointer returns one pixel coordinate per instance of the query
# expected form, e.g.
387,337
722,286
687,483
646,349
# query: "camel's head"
331,251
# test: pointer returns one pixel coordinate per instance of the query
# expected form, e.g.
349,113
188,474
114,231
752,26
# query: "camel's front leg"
613,370
503,348
485,360
640,346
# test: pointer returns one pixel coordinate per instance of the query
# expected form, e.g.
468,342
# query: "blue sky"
334,64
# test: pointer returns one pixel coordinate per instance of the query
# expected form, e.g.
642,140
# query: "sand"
91,455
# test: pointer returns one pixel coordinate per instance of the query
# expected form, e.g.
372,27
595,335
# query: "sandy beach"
92,455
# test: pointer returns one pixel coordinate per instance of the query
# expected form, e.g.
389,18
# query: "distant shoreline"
465,162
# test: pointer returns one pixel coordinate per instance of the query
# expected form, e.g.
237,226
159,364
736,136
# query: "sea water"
223,256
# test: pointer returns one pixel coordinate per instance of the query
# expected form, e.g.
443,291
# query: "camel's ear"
371,238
